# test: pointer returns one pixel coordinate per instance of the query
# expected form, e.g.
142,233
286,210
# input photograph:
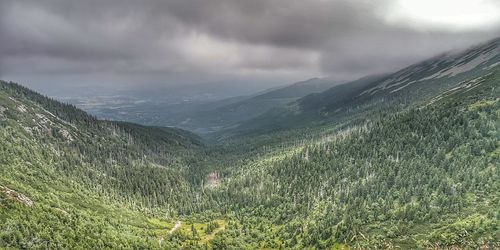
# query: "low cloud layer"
124,42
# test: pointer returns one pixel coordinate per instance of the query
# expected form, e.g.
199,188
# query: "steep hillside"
422,177
63,172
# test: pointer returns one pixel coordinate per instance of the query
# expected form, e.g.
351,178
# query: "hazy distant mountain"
370,94
200,114
247,108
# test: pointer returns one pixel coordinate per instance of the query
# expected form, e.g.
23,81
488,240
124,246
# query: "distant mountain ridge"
210,116
411,84
234,113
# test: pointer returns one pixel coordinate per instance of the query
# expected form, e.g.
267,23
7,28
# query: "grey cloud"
389,49
293,23
157,39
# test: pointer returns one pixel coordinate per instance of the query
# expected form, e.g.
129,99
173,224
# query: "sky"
130,44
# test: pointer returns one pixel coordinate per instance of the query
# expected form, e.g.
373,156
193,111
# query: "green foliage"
421,176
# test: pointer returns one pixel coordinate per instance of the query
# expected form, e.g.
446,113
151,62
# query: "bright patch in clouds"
452,14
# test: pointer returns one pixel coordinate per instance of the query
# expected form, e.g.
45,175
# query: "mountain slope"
367,95
420,177
75,172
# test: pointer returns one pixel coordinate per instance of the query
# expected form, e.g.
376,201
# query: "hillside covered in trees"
378,170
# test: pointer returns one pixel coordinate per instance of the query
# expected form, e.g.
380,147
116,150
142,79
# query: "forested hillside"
84,177
397,174
423,177
386,170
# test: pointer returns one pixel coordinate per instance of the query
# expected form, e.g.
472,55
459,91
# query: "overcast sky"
120,43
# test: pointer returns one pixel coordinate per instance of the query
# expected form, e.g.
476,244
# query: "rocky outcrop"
16,195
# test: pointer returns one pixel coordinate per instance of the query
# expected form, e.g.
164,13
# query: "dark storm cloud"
161,40
292,23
